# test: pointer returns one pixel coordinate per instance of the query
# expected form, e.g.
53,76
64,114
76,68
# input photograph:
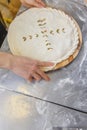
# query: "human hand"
34,3
29,69
85,2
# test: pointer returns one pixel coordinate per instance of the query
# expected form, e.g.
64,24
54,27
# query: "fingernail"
42,5
48,79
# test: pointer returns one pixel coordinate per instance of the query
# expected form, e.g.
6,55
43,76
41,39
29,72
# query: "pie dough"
44,34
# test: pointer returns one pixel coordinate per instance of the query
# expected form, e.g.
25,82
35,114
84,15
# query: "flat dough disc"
45,34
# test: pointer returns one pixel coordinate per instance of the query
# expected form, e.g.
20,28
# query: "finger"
31,4
37,4
46,64
42,3
43,75
27,5
34,4
36,76
30,78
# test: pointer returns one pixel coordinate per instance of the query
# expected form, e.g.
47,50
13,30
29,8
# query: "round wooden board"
73,56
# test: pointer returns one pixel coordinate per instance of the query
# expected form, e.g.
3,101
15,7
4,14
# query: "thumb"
40,2
38,5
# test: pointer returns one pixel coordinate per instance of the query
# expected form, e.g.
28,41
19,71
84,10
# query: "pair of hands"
25,67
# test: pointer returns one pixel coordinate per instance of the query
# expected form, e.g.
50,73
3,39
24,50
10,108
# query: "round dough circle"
44,34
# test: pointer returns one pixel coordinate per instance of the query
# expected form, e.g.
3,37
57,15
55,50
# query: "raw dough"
44,34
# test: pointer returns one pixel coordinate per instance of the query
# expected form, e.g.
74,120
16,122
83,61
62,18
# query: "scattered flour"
17,107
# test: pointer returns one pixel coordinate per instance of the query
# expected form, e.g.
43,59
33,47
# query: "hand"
28,68
25,67
34,3
85,1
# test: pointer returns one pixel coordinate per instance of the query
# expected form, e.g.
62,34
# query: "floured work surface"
45,34
68,86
